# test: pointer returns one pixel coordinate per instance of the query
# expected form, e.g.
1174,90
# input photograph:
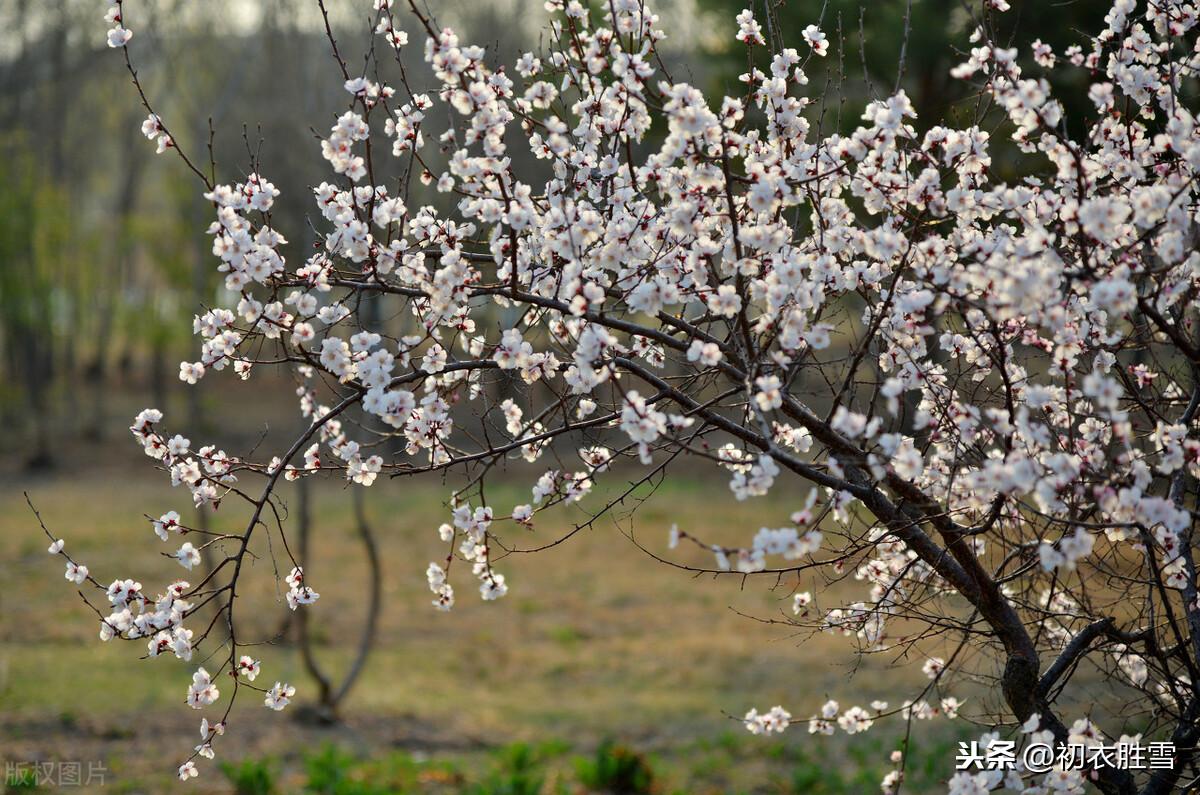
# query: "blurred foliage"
617,769
879,46
39,290
334,771
251,776
331,772
517,773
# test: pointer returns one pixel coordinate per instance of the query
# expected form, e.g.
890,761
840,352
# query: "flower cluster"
774,720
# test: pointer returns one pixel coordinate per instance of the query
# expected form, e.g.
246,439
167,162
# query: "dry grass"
595,638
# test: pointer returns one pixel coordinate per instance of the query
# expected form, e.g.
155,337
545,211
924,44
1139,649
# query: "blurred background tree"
37,295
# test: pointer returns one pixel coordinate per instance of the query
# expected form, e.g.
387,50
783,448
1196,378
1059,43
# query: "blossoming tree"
983,393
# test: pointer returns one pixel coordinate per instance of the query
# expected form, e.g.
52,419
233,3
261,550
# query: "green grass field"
595,640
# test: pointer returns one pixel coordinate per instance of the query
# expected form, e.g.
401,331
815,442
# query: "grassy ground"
595,640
